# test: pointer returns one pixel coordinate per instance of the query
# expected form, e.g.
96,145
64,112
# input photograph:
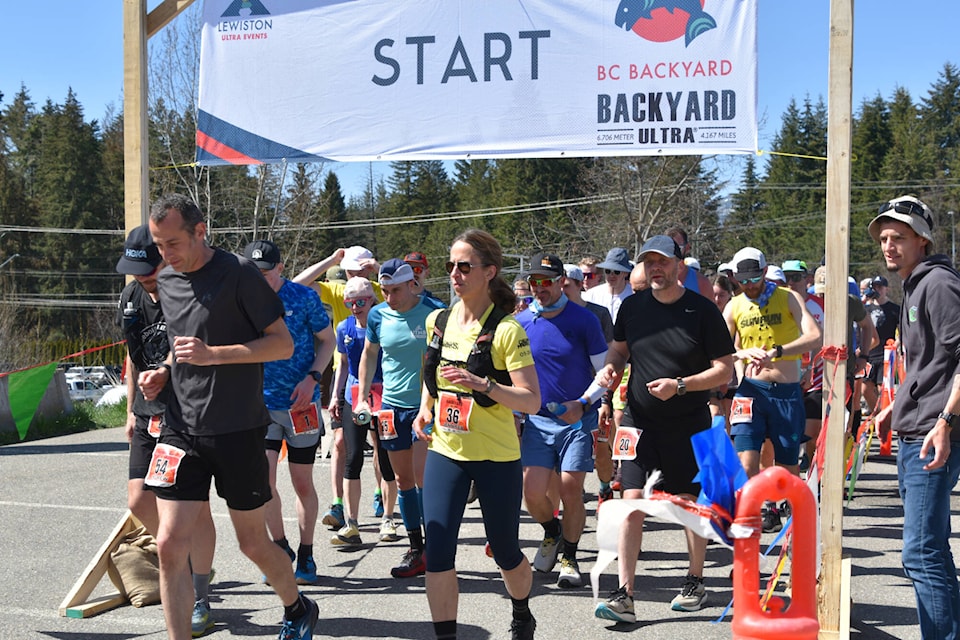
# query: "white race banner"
348,80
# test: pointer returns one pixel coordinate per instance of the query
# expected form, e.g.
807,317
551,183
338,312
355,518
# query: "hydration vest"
479,362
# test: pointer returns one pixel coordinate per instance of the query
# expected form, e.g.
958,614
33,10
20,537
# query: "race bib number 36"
625,443
453,415
164,466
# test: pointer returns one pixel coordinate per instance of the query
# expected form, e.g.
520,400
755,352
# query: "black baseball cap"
140,255
264,254
546,264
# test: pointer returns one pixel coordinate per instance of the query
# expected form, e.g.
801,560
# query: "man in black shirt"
679,350
223,322
145,331
886,318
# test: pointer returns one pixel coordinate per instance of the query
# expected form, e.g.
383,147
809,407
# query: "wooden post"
135,131
839,105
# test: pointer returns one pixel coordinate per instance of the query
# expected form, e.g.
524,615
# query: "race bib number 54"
164,466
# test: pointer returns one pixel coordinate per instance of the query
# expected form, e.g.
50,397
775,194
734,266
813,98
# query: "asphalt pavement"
60,499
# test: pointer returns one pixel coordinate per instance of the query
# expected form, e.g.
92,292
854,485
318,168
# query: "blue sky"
50,45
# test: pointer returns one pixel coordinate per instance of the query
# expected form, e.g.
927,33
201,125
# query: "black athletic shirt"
670,341
226,301
146,333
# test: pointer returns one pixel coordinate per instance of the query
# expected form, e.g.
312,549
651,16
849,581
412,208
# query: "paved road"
60,498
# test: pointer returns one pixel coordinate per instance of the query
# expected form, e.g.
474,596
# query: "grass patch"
86,416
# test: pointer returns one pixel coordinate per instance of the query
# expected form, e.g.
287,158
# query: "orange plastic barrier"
886,394
799,620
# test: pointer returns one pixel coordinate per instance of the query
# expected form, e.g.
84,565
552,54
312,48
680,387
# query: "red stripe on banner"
222,151
72,355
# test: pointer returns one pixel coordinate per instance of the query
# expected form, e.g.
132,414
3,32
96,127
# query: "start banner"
345,80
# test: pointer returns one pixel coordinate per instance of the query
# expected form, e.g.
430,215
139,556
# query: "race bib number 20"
625,443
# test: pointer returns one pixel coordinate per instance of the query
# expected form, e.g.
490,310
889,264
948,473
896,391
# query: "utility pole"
953,239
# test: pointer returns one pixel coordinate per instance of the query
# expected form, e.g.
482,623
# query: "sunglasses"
609,272
908,207
539,281
751,280
417,269
591,276
525,299
359,303
463,266
795,277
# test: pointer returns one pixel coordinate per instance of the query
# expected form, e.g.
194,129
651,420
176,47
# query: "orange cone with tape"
799,620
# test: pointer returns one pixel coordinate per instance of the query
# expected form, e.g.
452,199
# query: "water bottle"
129,315
556,408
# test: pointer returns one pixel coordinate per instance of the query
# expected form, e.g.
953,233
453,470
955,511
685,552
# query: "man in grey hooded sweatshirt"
925,411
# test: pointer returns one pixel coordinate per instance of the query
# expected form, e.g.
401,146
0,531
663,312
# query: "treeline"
60,174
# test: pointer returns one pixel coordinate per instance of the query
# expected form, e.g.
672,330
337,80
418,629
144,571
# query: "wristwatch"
490,384
681,387
317,376
778,348
949,418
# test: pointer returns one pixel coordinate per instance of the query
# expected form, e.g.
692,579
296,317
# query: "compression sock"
296,610
521,608
410,510
445,630
552,528
201,586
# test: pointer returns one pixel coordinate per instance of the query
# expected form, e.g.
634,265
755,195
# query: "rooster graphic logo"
664,20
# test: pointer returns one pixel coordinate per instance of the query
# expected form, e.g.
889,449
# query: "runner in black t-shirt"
223,322
886,318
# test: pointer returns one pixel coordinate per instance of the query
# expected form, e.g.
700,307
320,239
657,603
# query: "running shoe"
388,531
377,505
569,574
200,622
618,607
692,595
546,557
770,518
306,572
472,494
603,496
347,536
333,518
413,564
302,627
523,629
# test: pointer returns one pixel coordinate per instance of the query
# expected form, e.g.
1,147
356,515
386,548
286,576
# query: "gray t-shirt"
226,301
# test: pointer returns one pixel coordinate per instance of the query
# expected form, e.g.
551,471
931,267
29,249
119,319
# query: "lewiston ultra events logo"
244,20
664,20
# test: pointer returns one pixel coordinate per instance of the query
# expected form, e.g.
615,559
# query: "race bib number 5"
453,415
625,443
164,466
388,427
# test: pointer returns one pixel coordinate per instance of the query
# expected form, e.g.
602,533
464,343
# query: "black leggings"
354,436
499,488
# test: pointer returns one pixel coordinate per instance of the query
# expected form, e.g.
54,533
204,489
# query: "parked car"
99,375
84,390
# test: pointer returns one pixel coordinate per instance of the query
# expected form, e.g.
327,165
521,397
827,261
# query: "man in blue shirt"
291,392
568,345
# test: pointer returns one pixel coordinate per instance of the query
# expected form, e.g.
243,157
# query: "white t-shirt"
605,298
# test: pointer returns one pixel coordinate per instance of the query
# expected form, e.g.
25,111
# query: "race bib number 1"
741,411
388,428
306,421
153,426
453,415
625,443
164,466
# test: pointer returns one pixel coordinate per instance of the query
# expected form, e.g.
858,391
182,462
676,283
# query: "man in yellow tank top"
772,329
